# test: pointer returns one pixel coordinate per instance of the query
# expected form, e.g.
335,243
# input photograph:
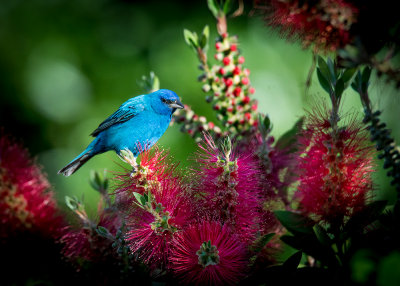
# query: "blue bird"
136,125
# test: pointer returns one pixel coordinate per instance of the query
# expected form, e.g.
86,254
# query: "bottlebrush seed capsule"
245,81
224,35
218,46
241,60
247,115
252,90
211,125
222,71
229,109
233,47
246,72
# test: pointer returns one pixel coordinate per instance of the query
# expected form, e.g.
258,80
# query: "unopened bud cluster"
228,87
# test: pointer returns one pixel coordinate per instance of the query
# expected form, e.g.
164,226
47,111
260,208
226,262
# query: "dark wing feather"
127,111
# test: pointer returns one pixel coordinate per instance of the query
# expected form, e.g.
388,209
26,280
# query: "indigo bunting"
135,126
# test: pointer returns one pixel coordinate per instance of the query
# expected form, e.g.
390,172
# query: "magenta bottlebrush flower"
228,183
84,243
26,202
162,211
208,254
324,23
336,169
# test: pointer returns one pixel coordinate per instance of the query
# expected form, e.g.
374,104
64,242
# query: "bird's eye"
167,101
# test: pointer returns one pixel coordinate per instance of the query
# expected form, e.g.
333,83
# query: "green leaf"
293,261
339,88
295,223
141,200
332,70
363,218
214,7
366,74
267,122
102,231
288,139
204,38
72,202
263,242
322,235
227,6
190,38
348,74
324,69
323,81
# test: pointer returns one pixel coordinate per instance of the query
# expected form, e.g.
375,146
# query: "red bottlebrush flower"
229,185
241,60
247,116
211,125
222,71
245,81
336,169
208,254
233,48
26,202
324,23
153,223
226,61
218,46
84,243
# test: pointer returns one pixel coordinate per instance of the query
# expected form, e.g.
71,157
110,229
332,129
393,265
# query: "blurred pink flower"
26,201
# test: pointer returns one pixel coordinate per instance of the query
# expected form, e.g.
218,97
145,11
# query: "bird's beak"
176,104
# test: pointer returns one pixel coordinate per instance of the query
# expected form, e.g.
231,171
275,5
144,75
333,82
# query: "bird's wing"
126,111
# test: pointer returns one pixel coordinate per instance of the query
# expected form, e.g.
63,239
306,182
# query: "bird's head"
165,101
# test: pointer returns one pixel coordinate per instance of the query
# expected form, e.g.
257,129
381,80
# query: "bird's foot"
127,156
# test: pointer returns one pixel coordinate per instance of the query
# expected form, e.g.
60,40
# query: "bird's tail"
76,163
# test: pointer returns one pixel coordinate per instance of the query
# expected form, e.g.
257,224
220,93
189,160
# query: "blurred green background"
65,65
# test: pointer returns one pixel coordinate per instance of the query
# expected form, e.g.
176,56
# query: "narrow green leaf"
288,139
332,70
72,203
263,242
356,84
366,74
295,223
368,215
190,38
141,200
227,6
323,81
267,122
214,7
324,69
293,261
102,231
339,88
348,74
322,235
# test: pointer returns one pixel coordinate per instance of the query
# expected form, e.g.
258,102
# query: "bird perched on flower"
135,126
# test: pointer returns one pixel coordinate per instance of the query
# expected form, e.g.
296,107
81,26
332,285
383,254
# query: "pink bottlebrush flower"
336,169
151,225
208,254
26,202
229,184
324,23
84,243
